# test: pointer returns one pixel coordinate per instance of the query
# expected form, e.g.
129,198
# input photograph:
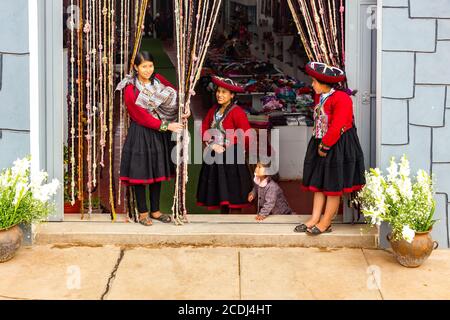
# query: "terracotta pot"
76,208
10,242
413,254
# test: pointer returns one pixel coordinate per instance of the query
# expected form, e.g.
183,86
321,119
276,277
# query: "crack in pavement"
372,274
113,274
239,273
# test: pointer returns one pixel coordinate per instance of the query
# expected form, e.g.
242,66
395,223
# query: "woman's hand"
175,127
251,197
321,153
218,148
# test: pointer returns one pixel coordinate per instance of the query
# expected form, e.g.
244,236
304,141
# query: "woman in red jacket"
334,161
225,180
151,102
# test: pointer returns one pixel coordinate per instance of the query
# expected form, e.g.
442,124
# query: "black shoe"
301,228
314,231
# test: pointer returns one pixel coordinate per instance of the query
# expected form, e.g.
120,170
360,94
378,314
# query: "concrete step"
203,230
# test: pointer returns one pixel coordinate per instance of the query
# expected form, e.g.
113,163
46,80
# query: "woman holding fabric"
225,180
334,161
151,102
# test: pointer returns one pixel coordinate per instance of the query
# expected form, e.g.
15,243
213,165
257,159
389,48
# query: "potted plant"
24,198
69,207
408,206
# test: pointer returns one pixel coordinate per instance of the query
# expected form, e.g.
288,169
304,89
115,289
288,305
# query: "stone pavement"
65,271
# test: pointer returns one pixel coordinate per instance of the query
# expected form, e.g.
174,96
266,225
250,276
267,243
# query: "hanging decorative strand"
80,135
87,30
311,20
195,21
121,111
301,32
111,28
102,65
91,100
72,108
342,10
94,93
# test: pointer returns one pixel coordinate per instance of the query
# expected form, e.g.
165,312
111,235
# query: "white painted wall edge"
379,100
33,32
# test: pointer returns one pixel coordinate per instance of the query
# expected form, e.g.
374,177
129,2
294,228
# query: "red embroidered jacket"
139,114
339,111
235,119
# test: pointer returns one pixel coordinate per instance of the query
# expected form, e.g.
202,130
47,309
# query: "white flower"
38,178
21,188
21,166
53,187
392,170
5,179
423,179
43,193
405,187
408,233
377,172
392,192
404,167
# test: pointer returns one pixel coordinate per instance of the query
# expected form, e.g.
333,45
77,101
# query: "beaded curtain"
195,21
320,24
103,38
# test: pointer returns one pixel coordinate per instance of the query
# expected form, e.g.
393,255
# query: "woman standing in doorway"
334,161
225,180
151,102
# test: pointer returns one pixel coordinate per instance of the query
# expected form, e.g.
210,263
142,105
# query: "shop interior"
256,43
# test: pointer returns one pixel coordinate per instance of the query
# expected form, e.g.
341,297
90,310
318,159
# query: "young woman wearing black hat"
151,102
334,161
225,180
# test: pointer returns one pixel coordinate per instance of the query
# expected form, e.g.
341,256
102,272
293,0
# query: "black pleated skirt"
223,183
341,171
146,156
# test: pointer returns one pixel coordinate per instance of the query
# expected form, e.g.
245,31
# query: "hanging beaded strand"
310,28
111,106
72,106
101,46
319,33
333,27
300,30
94,90
327,49
193,37
104,128
87,30
80,132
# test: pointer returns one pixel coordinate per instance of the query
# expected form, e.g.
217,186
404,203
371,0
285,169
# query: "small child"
271,199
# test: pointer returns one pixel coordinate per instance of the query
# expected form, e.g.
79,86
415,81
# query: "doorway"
361,57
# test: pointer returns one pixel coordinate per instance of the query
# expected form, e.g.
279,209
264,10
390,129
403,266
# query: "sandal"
301,228
314,231
164,218
146,221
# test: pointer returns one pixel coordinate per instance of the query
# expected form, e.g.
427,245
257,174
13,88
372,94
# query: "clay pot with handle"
413,254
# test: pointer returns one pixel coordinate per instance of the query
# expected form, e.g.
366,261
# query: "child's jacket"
271,199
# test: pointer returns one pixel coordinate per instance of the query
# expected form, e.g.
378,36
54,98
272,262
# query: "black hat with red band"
325,73
227,84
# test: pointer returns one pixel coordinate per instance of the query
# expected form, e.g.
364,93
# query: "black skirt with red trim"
146,156
341,171
225,182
